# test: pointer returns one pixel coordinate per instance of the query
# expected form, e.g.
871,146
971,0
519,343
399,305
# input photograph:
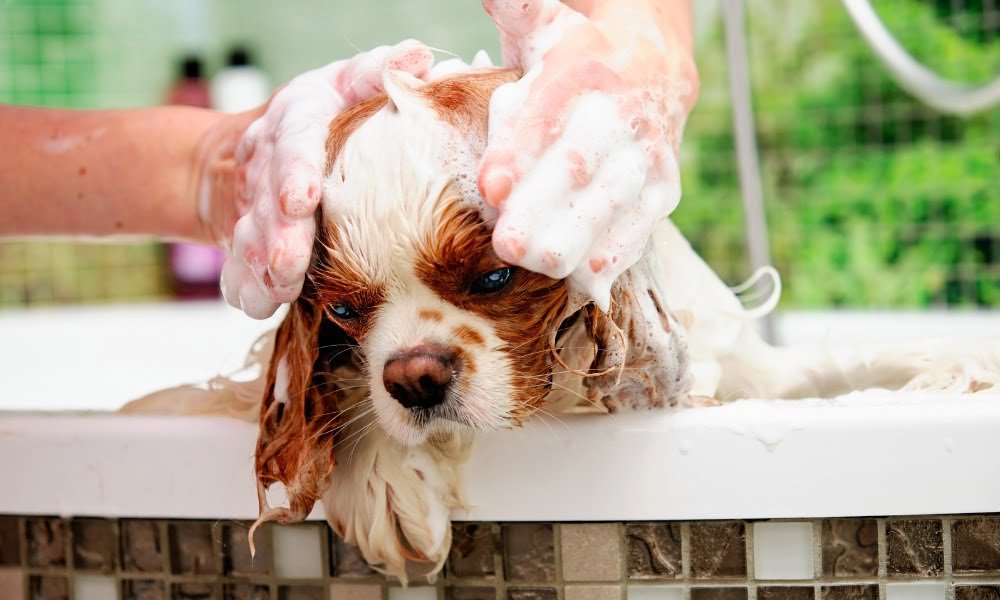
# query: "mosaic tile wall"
911,558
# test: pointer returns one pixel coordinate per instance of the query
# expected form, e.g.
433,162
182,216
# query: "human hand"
262,171
581,159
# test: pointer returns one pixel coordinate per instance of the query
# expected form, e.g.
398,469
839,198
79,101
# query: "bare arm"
102,173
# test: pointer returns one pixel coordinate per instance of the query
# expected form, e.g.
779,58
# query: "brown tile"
654,549
346,559
850,547
718,549
785,592
527,593
719,593
591,552
914,547
472,549
193,591
10,542
46,587
592,592
236,559
11,583
977,592
301,592
355,591
461,592
141,546
849,592
143,589
46,542
94,544
975,545
191,548
529,552
245,591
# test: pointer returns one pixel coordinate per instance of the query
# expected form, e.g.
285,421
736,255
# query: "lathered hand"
262,173
581,159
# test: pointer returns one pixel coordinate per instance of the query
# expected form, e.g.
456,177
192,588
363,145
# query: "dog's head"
405,299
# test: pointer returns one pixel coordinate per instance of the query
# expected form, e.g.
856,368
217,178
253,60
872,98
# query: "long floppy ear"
641,357
298,416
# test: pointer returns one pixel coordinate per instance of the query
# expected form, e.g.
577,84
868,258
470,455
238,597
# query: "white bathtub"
749,459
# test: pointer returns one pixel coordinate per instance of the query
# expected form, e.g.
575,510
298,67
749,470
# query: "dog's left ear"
298,416
641,354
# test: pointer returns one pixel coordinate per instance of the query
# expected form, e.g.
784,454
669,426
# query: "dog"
411,335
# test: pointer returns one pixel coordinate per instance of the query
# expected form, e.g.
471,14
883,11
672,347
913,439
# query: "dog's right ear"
298,415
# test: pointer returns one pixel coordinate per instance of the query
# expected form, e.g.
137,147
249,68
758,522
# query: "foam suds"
581,159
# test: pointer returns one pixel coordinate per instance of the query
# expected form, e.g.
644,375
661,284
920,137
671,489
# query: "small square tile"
463,592
192,591
785,592
423,592
191,551
142,550
472,550
355,591
298,551
346,559
302,592
654,592
236,559
719,593
718,549
914,547
46,542
783,550
143,589
592,592
47,587
11,583
93,545
94,587
849,592
245,591
531,593
977,592
529,552
850,547
10,542
654,549
591,552
976,545
914,591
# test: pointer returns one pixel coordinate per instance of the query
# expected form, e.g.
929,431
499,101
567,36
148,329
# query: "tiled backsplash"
905,558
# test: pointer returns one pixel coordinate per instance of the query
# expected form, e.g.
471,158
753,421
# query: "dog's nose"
419,377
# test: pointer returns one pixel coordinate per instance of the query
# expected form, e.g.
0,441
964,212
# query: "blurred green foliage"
872,199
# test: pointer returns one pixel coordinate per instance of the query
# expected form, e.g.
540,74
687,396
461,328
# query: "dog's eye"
494,281
342,311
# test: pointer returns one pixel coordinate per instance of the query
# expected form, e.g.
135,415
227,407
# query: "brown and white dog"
410,335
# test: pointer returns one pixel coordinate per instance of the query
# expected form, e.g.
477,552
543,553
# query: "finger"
360,77
242,282
523,17
529,28
289,256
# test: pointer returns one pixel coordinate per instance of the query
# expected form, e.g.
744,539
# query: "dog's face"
447,333
407,307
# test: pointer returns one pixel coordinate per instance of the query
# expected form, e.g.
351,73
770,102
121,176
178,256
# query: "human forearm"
102,173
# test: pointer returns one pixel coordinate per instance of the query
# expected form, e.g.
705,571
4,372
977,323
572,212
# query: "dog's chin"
408,427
